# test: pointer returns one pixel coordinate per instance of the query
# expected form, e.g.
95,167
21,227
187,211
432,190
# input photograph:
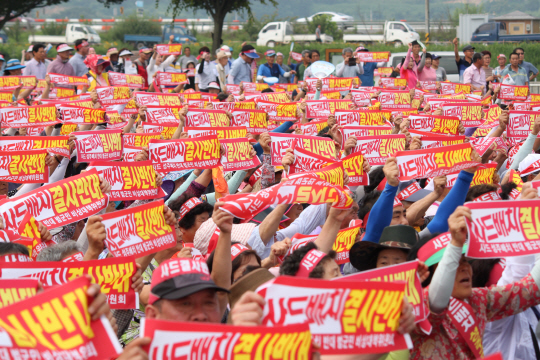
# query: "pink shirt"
410,75
427,74
474,76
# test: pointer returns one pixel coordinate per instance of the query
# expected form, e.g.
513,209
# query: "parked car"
73,32
497,32
339,18
282,33
448,62
396,32
181,36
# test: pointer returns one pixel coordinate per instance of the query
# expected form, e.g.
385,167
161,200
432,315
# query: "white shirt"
207,76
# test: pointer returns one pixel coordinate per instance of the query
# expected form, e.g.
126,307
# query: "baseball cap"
213,85
125,52
468,47
145,50
226,50
63,47
249,51
14,64
435,57
501,56
180,277
269,53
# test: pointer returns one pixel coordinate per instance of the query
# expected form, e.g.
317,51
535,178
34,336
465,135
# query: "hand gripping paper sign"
376,149
380,56
138,231
163,114
175,155
510,92
237,155
437,124
157,99
114,275
53,144
24,166
81,116
419,164
12,291
470,114
171,79
455,88
254,120
204,117
365,312
29,116
307,189
360,118
60,79
169,49
113,95
503,228
131,81
332,174
281,142
98,145
56,324
57,204
129,180
402,272
395,99
520,123
354,165
344,241
325,108
278,111
225,342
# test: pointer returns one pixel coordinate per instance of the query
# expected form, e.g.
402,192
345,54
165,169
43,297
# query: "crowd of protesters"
503,293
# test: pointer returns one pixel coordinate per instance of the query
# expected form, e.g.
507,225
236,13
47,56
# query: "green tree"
327,26
217,9
465,9
53,28
12,9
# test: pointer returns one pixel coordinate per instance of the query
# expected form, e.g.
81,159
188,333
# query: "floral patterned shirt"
489,304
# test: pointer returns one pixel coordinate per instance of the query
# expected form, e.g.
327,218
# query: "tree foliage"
217,9
465,9
327,25
12,9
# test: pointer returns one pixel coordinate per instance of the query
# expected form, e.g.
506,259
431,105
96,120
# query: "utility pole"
427,20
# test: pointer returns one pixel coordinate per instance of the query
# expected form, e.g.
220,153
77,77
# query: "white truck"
397,32
281,32
73,32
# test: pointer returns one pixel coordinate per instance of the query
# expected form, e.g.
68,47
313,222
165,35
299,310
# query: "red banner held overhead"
57,204
222,133
437,124
307,161
28,116
54,144
9,83
254,120
15,290
331,84
419,164
376,149
81,115
174,155
325,108
396,99
469,114
24,166
510,92
66,331
98,145
60,79
281,142
360,118
165,130
237,155
455,88
520,123
157,99
171,79
138,231
140,140
204,117
278,111
380,56
354,165
169,49
393,83
131,81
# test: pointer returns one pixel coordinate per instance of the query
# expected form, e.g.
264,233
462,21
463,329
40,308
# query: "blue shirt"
462,65
267,71
520,77
367,76
241,71
530,68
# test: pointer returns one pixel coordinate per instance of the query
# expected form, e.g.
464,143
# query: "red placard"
131,81
12,291
9,83
58,204
157,99
393,83
170,79
419,164
376,149
278,97
360,118
396,99
337,309
174,155
455,88
254,120
281,142
379,56
237,155
332,174
165,130
511,92
520,123
325,108
430,140
60,79
225,105
205,117
503,228
225,342
331,84
345,239
169,49
222,133
81,115
307,161
354,165
138,231
428,85
113,274
296,56
469,114
481,145
163,114
361,131
24,166
401,272
128,180
312,128
28,116
98,145
278,111
67,324
304,189
54,144
436,124
233,89
252,87
113,95
140,140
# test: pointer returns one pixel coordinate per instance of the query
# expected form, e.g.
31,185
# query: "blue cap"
14,64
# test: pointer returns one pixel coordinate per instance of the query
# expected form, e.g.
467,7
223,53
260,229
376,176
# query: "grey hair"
304,52
59,251
346,50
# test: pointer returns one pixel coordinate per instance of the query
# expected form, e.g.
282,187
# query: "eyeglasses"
520,53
